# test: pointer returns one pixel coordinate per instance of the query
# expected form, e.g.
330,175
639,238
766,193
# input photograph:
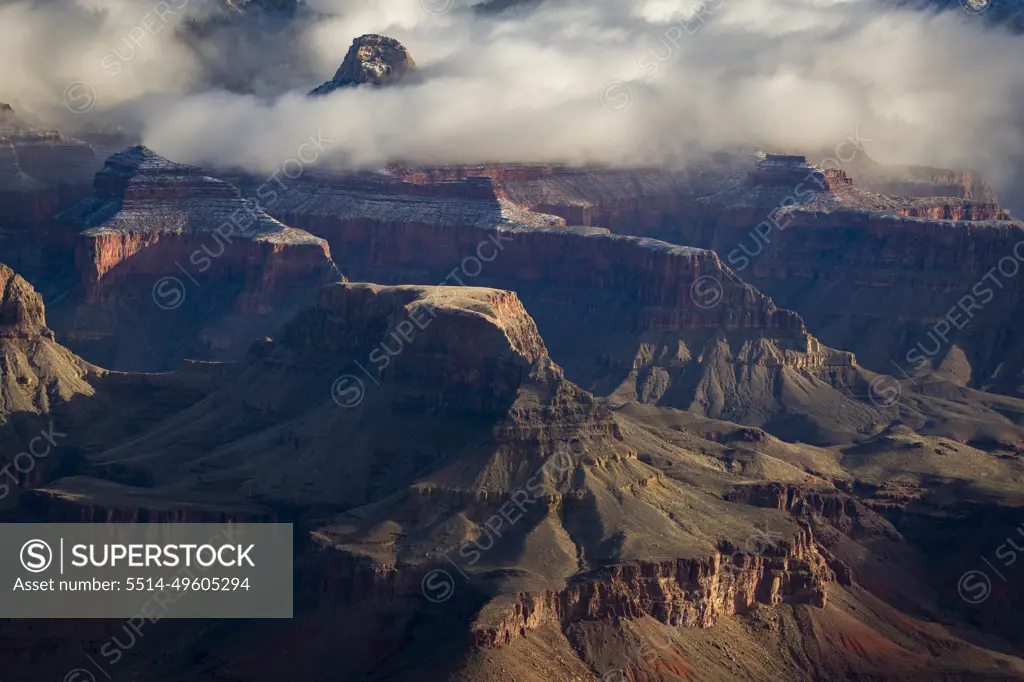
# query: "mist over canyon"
660,82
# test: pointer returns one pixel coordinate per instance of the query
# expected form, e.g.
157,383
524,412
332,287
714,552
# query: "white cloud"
525,86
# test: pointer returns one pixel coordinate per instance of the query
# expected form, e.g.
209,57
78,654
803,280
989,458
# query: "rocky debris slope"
371,60
159,242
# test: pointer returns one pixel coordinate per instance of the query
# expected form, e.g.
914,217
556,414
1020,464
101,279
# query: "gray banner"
148,571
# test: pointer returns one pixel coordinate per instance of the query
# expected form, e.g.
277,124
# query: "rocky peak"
372,59
21,308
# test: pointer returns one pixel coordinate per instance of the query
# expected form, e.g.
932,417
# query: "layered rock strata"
612,307
353,376
156,236
844,512
904,264
681,593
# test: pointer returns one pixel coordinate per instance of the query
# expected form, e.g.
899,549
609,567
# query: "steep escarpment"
874,273
158,242
682,593
871,272
22,313
465,350
897,281
645,202
55,407
648,319
404,230
432,444
840,510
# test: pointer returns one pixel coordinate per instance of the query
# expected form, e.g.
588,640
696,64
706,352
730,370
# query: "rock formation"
427,426
653,321
905,262
469,357
36,370
372,59
157,236
47,391
611,447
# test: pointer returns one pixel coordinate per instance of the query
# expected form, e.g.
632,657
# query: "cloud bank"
575,81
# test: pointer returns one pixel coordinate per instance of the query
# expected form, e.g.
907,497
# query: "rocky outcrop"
646,202
42,386
843,512
681,593
372,60
694,592
36,371
469,350
156,236
22,314
374,360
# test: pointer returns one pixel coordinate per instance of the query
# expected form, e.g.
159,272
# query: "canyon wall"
158,241
694,592
871,273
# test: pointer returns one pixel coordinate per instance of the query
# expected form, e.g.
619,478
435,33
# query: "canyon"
876,274
616,526
529,421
